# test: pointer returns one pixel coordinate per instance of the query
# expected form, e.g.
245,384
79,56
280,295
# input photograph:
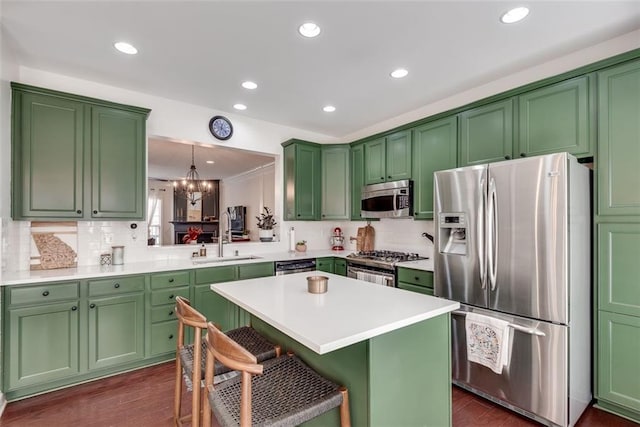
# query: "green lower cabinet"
325,264
415,288
164,337
340,266
420,281
618,381
252,271
213,306
41,344
116,330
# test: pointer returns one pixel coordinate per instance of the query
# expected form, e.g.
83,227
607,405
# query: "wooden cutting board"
360,239
369,238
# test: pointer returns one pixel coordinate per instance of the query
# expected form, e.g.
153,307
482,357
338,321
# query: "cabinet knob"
507,157
78,211
382,178
171,280
389,177
171,296
171,336
45,294
523,155
92,305
171,313
95,212
416,278
74,308
117,285
299,214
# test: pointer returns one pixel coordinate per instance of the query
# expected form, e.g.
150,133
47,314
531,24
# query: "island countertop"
349,312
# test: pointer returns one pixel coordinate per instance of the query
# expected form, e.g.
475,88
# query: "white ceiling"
200,51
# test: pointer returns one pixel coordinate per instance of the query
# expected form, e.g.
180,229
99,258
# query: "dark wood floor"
145,398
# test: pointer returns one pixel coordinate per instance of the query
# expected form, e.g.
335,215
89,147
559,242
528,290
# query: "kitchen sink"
224,259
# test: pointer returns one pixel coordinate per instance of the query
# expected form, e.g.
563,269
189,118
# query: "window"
154,207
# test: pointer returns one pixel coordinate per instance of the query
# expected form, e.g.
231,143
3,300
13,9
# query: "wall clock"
220,127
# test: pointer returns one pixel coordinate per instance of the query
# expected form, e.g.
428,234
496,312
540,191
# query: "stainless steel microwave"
387,200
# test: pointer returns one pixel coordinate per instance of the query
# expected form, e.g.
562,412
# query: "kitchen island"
389,347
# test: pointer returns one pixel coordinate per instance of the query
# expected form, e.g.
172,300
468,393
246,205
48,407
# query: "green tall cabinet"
434,148
357,179
336,200
302,180
76,157
617,357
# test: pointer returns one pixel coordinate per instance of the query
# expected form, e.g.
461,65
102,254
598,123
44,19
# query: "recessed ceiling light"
125,47
309,29
514,15
249,85
210,162
399,73
240,106
329,109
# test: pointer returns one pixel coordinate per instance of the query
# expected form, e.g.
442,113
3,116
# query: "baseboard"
3,404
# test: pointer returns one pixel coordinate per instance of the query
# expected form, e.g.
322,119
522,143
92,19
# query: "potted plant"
192,235
266,222
301,246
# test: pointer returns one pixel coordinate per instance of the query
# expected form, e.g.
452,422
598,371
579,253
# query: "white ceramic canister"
117,255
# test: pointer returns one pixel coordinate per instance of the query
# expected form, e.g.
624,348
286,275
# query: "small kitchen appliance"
337,240
392,199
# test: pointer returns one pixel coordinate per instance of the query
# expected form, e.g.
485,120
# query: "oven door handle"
530,331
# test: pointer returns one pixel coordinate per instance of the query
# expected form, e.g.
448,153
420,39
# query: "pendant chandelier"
191,187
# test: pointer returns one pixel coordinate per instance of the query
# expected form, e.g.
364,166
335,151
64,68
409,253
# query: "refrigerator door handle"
481,233
492,235
530,331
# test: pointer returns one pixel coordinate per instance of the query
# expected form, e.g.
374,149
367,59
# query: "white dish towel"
487,341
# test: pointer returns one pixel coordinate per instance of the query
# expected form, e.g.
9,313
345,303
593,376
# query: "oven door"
372,275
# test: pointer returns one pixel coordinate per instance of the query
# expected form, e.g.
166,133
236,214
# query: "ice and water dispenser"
453,233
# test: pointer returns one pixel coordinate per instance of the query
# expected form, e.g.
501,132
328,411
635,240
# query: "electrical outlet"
107,238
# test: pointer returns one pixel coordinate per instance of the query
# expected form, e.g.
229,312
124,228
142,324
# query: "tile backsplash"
97,237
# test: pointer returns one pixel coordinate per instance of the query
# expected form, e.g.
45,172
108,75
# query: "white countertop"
349,312
97,271
423,264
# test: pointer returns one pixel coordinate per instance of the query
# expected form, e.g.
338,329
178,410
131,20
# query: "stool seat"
288,393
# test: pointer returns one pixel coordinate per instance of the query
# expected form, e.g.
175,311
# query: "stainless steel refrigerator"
512,242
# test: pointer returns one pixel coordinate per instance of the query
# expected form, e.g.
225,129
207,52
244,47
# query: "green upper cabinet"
335,182
357,179
434,148
118,147
555,118
486,134
76,157
388,158
302,180
619,140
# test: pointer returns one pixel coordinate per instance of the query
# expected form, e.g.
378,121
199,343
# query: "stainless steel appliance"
295,266
377,266
512,242
387,200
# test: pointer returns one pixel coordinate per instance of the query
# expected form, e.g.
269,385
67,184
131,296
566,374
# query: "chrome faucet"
221,232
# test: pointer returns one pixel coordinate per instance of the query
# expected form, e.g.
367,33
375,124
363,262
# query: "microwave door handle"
395,202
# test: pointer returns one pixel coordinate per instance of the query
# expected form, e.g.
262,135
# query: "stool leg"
345,416
178,394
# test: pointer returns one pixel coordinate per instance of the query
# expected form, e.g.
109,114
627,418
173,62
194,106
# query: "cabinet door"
618,355
618,268
41,344
415,288
213,306
307,182
325,264
555,119
375,161
486,134
434,149
289,172
252,271
340,266
335,182
398,156
618,140
357,179
118,164
116,330
48,149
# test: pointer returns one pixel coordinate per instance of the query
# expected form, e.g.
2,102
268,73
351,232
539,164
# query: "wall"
253,189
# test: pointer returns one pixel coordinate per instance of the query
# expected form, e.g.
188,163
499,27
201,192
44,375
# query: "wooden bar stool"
190,358
279,392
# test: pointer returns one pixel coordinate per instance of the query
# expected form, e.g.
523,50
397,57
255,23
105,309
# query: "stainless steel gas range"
377,267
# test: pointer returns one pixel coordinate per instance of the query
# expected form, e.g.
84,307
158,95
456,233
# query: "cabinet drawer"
167,296
163,313
415,288
415,277
43,293
163,337
215,274
252,271
116,285
170,280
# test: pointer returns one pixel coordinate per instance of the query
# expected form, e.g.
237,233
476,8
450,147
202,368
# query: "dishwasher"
295,266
